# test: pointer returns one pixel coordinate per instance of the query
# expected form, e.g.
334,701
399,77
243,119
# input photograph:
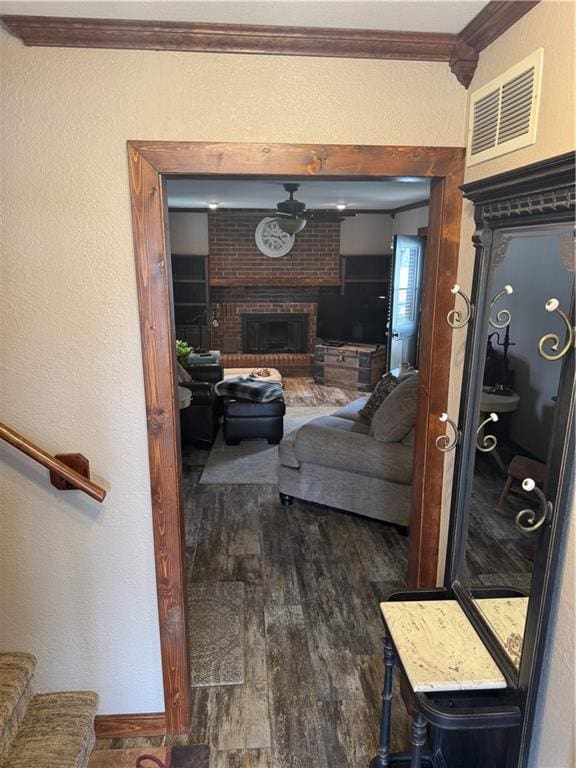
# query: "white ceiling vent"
503,114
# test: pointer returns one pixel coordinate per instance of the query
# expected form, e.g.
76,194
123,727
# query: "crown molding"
230,38
459,51
410,206
493,20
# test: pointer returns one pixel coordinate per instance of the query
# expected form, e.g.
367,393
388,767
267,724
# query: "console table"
443,658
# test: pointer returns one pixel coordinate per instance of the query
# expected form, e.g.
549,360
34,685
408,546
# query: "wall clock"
271,240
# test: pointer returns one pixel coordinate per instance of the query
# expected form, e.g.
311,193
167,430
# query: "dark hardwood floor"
497,554
313,579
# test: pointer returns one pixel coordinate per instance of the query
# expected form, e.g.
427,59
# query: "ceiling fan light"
291,226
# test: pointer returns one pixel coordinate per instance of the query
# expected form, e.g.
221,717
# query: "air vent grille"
516,106
485,122
503,114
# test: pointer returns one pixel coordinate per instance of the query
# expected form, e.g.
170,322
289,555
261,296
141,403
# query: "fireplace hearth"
274,333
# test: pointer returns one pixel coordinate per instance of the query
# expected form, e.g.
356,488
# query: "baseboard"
126,726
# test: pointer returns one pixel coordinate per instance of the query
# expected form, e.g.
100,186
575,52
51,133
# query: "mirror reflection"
529,267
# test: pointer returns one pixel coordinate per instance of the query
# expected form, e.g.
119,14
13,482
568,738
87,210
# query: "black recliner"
199,421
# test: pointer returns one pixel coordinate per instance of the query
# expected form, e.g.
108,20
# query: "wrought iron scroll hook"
446,443
530,520
486,443
504,316
456,318
553,305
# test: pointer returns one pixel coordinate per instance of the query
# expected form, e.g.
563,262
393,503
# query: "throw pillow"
379,394
397,414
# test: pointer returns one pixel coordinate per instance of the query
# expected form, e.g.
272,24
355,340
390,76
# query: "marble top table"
498,403
438,648
507,617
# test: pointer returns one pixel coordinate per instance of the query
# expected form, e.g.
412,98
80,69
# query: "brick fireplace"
269,333
245,283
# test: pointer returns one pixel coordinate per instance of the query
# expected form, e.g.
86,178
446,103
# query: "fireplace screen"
274,333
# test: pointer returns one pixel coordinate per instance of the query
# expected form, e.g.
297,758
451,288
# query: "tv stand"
354,366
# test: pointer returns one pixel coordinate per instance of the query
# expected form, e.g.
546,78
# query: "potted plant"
183,350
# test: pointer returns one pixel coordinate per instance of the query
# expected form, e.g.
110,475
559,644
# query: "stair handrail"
69,477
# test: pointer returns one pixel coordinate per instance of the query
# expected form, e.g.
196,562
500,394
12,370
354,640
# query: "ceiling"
428,16
317,193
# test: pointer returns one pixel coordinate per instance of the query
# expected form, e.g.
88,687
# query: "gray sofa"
345,462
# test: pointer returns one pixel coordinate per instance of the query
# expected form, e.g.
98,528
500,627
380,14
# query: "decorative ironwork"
532,203
504,315
455,318
486,443
530,520
500,245
553,305
446,443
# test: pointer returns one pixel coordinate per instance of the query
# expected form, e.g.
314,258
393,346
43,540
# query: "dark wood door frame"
149,164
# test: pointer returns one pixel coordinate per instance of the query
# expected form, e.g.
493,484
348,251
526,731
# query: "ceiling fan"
292,215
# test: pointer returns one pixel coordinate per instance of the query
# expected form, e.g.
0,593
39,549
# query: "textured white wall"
366,235
189,233
408,222
77,580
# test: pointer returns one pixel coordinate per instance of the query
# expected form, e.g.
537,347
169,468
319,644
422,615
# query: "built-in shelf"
367,277
190,290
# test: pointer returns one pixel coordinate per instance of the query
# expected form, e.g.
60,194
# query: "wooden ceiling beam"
459,51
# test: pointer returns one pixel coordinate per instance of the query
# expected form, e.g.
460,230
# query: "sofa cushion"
409,439
327,443
351,411
340,425
381,391
286,453
397,414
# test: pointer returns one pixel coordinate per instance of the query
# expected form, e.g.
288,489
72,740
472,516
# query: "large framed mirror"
514,443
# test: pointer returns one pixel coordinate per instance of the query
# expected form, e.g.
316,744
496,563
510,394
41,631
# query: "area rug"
216,633
196,756
254,461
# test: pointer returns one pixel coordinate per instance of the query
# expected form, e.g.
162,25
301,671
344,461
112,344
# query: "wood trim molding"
127,726
493,20
435,346
149,161
459,51
230,38
410,206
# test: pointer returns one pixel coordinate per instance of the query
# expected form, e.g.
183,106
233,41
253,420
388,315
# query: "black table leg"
382,759
417,739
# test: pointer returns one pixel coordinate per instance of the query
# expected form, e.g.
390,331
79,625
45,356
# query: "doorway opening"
316,318
150,165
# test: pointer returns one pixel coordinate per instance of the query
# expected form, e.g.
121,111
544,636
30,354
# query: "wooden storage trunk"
353,366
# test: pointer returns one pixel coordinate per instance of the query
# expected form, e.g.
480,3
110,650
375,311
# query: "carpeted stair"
49,730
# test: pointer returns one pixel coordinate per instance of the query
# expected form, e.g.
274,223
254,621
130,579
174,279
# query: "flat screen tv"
352,319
